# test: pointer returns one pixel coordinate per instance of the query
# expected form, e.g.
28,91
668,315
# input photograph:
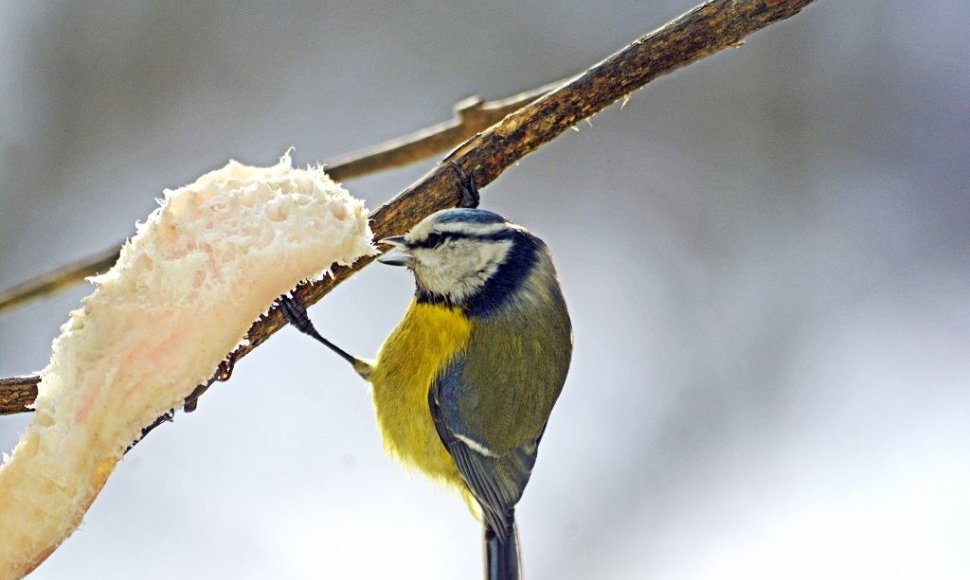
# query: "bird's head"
465,256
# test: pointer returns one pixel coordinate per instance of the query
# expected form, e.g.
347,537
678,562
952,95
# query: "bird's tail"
502,555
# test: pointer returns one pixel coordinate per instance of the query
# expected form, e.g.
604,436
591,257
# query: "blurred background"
766,256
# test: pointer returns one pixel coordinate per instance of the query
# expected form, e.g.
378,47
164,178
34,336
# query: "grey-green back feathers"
491,405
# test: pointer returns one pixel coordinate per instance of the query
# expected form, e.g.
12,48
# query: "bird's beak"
398,255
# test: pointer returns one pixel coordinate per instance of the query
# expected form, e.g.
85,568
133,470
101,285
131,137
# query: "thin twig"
58,280
706,29
471,116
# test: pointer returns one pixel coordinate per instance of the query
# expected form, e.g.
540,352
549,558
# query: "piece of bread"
185,290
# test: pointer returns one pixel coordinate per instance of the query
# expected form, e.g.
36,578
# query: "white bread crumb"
185,290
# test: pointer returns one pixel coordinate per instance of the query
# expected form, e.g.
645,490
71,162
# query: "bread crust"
186,288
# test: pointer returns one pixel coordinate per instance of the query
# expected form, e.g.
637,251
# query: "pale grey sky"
765,256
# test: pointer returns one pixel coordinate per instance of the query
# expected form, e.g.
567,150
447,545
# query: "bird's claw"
295,313
467,192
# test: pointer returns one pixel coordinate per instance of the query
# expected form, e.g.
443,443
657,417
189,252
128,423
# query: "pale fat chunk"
200,269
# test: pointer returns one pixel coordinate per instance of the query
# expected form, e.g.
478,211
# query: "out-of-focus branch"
706,29
471,116
57,280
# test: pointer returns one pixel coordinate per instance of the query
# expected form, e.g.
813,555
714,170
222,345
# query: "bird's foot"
296,314
467,192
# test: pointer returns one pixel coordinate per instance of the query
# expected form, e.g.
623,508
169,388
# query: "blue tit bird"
464,386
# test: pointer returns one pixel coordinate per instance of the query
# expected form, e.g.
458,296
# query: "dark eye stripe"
435,239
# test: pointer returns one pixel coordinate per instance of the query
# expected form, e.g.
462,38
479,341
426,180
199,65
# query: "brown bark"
706,29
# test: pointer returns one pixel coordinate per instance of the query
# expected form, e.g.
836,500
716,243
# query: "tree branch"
706,29
471,116
16,393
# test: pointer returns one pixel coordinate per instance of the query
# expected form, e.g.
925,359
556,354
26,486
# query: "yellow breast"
424,342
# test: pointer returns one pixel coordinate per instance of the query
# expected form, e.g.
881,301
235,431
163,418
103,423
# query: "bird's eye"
433,240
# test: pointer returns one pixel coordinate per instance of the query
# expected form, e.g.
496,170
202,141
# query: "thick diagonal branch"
471,116
706,29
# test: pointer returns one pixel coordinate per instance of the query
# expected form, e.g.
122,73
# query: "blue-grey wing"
496,480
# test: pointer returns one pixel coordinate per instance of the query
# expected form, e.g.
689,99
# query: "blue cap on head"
467,215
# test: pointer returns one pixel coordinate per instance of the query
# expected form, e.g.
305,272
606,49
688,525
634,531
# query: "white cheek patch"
459,269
